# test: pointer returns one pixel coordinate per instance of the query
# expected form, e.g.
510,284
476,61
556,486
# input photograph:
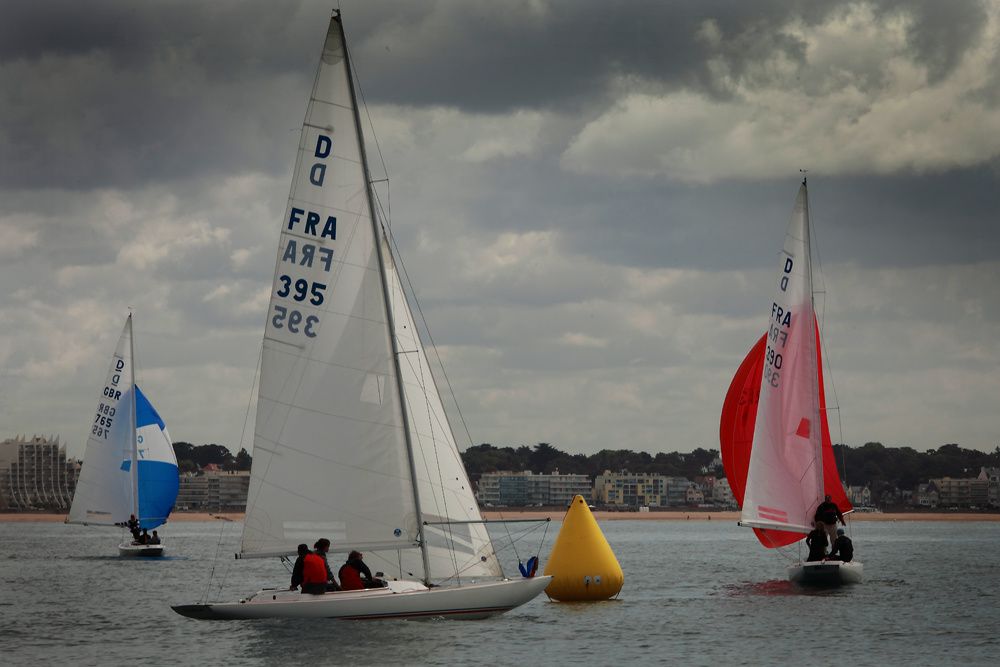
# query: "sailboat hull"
129,550
401,599
826,573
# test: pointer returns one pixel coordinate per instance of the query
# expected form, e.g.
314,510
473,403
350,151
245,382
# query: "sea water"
696,593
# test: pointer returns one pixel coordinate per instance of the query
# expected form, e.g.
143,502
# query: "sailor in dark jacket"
297,568
843,548
816,541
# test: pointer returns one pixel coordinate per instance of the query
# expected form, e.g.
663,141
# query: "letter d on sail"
318,172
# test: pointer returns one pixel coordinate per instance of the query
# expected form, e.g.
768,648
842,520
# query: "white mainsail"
331,457
105,491
785,477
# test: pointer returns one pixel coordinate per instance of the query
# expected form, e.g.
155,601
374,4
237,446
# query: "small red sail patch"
772,514
803,430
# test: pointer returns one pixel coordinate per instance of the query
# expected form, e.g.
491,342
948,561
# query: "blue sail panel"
157,465
145,413
158,485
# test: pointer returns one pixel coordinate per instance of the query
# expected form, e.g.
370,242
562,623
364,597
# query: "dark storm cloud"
119,92
494,57
98,93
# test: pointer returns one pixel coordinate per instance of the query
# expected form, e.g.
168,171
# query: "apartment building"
35,474
214,490
525,488
962,492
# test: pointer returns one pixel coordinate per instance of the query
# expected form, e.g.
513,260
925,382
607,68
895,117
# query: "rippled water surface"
696,593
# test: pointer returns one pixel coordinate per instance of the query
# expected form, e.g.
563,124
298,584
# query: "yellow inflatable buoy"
582,565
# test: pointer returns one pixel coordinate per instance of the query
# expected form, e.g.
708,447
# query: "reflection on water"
695,593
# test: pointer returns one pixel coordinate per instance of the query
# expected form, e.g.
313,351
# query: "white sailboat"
129,467
776,446
351,439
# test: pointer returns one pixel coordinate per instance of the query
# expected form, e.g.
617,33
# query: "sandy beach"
557,515
735,516
16,517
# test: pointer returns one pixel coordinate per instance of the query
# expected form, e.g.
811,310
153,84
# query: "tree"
243,460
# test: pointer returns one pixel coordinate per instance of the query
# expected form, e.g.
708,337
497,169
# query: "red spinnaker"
739,413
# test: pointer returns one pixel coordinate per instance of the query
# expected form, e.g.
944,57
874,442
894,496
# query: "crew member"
321,548
297,568
827,515
313,574
843,548
816,541
355,575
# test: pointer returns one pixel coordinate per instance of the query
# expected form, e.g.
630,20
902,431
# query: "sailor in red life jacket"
313,574
352,571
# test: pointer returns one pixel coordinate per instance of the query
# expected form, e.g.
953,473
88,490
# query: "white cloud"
580,339
16,235
826,116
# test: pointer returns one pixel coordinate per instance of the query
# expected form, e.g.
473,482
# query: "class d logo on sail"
111,392
317,173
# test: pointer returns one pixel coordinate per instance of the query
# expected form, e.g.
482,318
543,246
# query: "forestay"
785,478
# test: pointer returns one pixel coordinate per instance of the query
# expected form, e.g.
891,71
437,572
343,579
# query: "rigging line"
829,364
444,496
246,420
387,217
437,460
523,535
215,561
430,340
510,539
400,268
371,125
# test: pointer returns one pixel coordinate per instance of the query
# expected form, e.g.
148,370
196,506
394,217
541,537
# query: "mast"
388,306
814,358
134,467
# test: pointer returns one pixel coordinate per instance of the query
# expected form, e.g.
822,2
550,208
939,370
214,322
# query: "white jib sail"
104,492
458,546
785,478
329,455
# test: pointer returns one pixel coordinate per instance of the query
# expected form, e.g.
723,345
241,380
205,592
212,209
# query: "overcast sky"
589,197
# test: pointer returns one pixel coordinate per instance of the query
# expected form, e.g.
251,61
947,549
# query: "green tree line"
872,465
192,458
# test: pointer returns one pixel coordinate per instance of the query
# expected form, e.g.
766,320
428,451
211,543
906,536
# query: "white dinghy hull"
128,550
826,573
400,599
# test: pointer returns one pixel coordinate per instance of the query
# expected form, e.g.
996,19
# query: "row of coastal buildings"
36,475
628,490
620,490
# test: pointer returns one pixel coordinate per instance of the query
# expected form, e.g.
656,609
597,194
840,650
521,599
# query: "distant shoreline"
41,517
708,515
557,515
